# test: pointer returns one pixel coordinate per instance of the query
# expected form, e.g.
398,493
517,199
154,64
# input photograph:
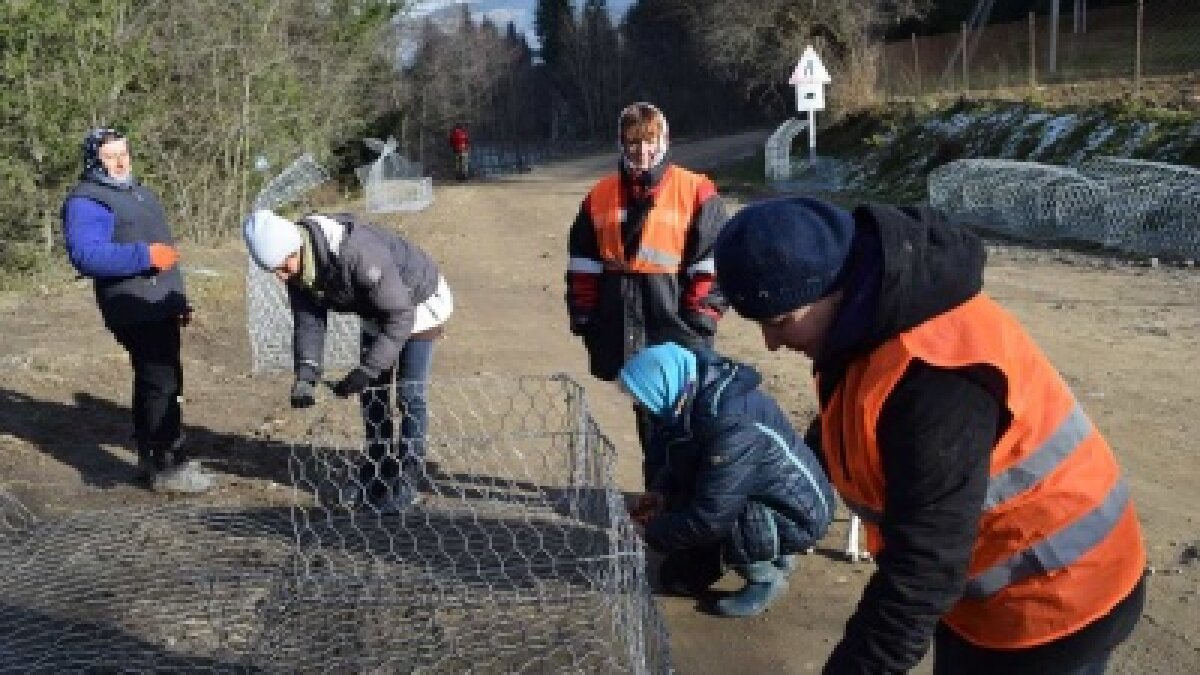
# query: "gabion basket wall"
269,319
1132,205
268,313
518,557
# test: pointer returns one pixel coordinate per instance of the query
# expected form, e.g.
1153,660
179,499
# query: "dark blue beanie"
781,254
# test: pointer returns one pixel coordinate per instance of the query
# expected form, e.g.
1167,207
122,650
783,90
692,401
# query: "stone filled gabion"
1134,206
516,556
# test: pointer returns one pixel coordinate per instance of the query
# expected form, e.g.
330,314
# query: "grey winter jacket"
375,274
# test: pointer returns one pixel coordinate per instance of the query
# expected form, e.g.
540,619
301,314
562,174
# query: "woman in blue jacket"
117,234
732,481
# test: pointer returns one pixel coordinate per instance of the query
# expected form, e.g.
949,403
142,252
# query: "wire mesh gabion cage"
515,554
269,314
1134,206
269,318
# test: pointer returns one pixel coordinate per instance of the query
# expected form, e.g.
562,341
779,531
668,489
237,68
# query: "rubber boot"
391,495
175,474
787,563
764,584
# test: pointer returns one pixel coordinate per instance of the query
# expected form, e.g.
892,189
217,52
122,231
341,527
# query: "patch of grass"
745,176
23,266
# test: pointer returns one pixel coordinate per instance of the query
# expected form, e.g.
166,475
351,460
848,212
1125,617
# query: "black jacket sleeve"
936,434
308,334
723,483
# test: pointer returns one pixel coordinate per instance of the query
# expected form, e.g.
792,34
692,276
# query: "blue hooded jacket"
730,446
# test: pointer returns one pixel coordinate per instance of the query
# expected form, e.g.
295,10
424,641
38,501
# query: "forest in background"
210,90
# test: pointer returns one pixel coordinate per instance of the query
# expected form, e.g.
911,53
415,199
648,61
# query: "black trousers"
1085,652
153,349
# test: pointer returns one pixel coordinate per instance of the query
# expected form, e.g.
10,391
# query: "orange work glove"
163,256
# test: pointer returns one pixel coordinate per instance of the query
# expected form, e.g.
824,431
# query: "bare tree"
757,43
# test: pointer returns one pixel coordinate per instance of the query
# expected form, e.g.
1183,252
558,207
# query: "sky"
520,12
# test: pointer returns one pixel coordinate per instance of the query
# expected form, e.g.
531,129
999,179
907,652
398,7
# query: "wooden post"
917,66
1032,50
1137,52
966,84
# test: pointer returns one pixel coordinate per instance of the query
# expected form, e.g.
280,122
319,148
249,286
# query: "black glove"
304,393
354,382
580,324
702,323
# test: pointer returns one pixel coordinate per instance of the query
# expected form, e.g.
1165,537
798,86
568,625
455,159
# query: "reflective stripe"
716,399
588,265
774,532
787,450
868,515
658,257
1057,551
706,266
1017,479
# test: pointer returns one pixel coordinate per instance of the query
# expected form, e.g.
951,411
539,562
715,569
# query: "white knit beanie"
270,238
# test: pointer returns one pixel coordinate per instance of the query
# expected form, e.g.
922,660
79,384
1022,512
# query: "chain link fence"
516,555
1134,47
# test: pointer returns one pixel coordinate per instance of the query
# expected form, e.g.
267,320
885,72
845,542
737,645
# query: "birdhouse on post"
810,78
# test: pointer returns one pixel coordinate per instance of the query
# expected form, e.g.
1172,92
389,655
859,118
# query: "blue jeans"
389,455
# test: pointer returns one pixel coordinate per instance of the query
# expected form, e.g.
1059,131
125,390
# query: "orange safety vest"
664,233
1059,544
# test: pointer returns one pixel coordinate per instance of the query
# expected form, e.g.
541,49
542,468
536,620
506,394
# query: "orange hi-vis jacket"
1059,544
664,234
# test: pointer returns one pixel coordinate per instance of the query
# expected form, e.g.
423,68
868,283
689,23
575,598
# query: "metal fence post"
1137,52
1052,48
966,84
1032,50
917,66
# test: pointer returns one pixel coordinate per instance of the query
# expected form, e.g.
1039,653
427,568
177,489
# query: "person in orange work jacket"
641,269
1002,525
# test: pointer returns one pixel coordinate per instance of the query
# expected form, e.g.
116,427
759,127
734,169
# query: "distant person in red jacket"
460,143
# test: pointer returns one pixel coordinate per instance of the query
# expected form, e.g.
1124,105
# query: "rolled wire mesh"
1132,205
269,314
516,556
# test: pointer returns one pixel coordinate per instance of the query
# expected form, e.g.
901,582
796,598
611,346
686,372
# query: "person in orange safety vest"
640,268
1001,523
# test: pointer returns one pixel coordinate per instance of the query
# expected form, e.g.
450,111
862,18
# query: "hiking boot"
144,473
381,496
764,584
175,473
188,478
392,496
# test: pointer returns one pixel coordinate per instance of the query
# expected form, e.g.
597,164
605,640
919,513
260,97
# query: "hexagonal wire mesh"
269,315
1133,205
516,556
393,183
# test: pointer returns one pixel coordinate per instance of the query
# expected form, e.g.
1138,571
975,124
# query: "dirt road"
1124,335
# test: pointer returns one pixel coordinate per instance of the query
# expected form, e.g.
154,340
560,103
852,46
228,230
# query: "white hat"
270,238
